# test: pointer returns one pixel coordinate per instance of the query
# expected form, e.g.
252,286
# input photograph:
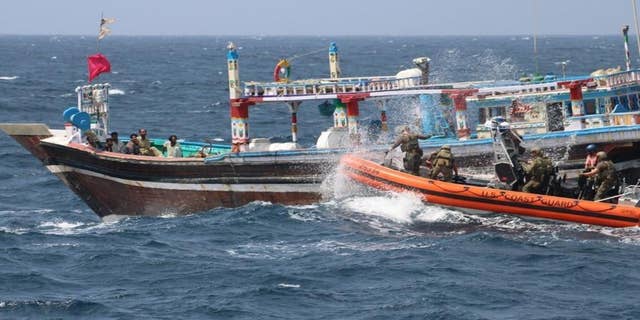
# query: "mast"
625,34
535,34
635,21
99,30
334,64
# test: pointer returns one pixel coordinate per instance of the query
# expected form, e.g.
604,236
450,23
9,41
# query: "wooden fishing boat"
488,199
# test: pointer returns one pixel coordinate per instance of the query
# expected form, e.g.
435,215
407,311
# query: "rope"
305,54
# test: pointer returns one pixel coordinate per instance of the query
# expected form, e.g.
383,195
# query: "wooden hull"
492,200
113,183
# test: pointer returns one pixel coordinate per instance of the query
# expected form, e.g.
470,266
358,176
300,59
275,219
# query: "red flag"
97,65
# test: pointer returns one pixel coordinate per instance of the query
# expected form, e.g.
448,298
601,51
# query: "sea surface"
357,254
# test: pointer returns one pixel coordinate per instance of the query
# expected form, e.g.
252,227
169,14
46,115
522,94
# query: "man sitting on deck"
145,145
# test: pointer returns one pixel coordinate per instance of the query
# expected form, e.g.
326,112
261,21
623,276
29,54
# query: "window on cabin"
589,106
567,109
624,101
482,116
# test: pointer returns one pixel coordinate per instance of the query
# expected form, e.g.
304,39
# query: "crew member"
592,158
585,184
606,176
538,171
443,162
408,143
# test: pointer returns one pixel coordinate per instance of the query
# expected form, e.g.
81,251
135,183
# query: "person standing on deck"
408,143
146,149
606,176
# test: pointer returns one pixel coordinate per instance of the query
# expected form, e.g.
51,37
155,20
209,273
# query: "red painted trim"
575,92
352,108
347,97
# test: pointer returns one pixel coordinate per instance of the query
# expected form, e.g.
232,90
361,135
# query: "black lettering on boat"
520,198
558,203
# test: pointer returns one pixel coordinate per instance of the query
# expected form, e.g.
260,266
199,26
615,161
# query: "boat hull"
107,195
487,199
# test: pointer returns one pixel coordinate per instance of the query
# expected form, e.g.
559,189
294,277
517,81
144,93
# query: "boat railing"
618,79
331,86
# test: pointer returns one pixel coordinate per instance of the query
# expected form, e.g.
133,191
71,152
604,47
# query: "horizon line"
316,35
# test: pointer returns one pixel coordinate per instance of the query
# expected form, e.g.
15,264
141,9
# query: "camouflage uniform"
606,178
538,171
408,143
443,162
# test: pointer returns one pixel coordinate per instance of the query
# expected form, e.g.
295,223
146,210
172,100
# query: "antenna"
99,29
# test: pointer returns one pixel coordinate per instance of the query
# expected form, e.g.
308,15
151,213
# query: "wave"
8,77
116,92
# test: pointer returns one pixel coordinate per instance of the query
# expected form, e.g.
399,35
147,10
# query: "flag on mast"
97,64
104,30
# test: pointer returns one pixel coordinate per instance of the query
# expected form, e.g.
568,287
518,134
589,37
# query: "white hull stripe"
249,187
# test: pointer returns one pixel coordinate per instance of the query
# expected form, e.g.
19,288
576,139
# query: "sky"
320,17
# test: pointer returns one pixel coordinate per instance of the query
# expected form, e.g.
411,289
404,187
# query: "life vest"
444,158
590,161
541,169
606,171
410,144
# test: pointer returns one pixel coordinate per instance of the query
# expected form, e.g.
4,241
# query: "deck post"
382,106
460,103
334,63
575,92
239,124
293,109
340,115
234,73
353,112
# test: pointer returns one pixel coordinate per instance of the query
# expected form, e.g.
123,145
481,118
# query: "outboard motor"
506,150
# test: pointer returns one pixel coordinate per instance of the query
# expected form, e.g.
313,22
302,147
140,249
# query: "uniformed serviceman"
408,143
538,171
443,162
606,176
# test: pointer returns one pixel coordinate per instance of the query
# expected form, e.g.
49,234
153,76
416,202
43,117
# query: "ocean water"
358,254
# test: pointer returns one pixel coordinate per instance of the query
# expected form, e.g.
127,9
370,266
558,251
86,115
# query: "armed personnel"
606,176
538,171
443,162
408,143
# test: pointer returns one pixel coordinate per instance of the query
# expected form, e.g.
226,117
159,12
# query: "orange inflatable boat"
488,199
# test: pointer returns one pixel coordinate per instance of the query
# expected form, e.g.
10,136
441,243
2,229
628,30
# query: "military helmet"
446,147
536,150
601,156
591,148
504,126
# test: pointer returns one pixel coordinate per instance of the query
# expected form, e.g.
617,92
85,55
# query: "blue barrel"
66,114
82,120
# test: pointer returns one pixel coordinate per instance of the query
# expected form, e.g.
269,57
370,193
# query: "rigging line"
305,54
